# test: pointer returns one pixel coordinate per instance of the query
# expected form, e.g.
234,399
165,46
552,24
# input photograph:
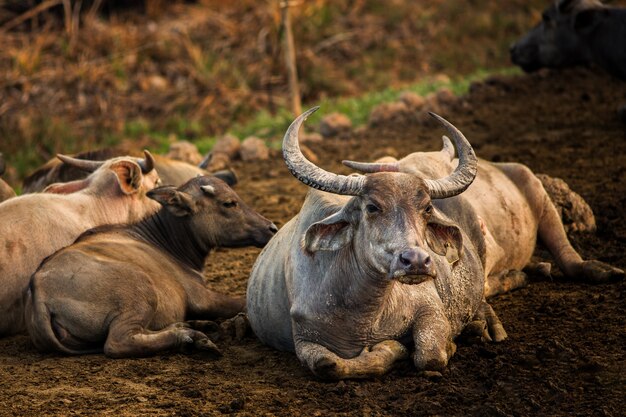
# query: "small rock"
386,112
227,144
432,375
335,124
142,399
184,151
215,161
445,97
237,404
432,104
412,100
310,138
254,149
153,82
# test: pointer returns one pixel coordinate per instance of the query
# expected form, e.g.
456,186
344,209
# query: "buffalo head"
125,175
215,213
390,224
558,40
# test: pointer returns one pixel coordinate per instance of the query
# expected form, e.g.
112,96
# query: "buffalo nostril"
273,228
407,258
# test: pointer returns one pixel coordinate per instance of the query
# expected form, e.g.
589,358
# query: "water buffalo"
171,171
6,191
35,226
575,32
375,263
127,289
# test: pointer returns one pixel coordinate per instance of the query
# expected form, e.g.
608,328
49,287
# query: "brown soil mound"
566,352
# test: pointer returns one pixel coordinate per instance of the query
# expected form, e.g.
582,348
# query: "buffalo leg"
206,304
553,235
131,339
371,362
432,334
504,282
493,328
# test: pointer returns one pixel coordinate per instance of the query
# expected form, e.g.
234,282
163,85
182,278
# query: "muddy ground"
566,351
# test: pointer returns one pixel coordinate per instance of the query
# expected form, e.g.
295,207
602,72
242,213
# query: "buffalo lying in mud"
376,263
171,171
127,289
35,226
575,32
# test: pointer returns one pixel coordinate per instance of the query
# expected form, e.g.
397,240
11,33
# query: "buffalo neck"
366,286
175,236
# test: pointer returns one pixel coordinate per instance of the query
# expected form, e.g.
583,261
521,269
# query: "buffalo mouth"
409,278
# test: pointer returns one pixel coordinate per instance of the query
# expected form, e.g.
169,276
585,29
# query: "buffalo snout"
412,266
264,233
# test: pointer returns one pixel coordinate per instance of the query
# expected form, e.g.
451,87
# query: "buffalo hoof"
393,348
436,360
326,367
475,331
236,327
206,345
190,340
597,272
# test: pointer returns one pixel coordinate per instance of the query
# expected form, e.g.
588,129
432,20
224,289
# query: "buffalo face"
216,213
393,229
558,40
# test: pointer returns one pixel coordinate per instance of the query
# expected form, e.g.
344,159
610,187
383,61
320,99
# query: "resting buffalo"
171,171
35,226
127,289
375,263
575,32
6,191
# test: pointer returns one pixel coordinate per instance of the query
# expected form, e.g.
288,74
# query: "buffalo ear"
586,20
177,202
66,187
129,176
445,240
332,233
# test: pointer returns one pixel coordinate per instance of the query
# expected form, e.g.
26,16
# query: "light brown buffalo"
6,191
35,226
171,171
127,289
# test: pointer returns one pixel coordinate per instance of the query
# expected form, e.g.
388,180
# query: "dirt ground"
566,351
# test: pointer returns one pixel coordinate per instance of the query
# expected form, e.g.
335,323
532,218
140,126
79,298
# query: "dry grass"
193,70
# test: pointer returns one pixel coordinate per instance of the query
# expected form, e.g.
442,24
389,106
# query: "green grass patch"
268,126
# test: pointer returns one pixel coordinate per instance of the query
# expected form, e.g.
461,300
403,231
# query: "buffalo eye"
372,208
229,204
429,209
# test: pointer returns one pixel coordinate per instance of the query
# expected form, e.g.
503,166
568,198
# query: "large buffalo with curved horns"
376,264
34,226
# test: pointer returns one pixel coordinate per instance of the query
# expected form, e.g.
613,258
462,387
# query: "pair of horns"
315,177
146,164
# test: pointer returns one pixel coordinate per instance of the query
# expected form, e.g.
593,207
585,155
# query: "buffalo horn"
310,174
465,172
82,164
146,164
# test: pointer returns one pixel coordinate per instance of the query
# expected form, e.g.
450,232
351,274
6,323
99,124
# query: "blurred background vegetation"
80,74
